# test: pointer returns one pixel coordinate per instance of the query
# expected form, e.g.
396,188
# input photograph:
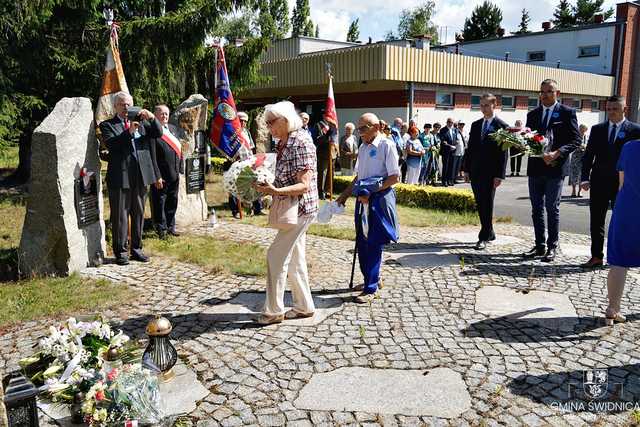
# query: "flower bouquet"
241,176
511,138
536,145
121,395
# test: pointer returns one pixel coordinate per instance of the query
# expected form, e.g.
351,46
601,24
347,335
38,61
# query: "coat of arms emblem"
596,383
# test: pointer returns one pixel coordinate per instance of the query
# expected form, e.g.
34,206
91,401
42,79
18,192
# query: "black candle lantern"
160,351
20,401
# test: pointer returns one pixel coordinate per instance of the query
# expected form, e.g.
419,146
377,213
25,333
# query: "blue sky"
377,17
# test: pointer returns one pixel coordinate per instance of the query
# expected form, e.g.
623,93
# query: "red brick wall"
631,14
375,99
603,105
462,100
522,102
586,105
424,98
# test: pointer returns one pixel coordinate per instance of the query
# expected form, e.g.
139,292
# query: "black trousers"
601,198
164,203
447,164
125,203
516,163
484,193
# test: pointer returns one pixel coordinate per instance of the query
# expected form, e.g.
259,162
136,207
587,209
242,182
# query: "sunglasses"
364,128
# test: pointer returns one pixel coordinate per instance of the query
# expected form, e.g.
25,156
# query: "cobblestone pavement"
517,371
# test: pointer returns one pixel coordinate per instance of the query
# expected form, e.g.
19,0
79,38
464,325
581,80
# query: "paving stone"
423,257
471,237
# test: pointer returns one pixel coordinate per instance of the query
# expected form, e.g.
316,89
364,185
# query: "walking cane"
355,253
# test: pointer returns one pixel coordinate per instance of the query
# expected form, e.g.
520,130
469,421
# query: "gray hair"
304,115
350,125
286,110
122,95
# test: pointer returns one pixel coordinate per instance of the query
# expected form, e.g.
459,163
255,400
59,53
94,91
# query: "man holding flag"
164,195
327,144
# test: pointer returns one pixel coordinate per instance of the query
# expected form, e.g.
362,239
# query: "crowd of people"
378,156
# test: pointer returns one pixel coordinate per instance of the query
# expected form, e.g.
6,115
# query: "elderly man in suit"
164,197
485,165
546,173
132,168
599,171
448,141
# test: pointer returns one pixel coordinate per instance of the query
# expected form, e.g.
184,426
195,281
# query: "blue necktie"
545,119
612,135
485,129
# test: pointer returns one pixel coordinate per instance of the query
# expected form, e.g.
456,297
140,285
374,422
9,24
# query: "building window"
508,103
533,103
587,51
538,55
475,101
595,105
444,99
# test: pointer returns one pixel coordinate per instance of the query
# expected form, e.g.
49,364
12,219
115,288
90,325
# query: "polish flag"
172,142
330,113
113,80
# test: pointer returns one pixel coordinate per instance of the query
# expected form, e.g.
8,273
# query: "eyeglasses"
364,128
272,121
547,92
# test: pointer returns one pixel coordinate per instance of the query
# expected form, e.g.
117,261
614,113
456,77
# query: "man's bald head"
368,127
369,118
397,122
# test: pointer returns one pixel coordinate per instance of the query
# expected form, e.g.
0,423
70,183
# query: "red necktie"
126,124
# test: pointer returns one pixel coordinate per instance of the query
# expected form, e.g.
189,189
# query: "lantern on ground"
20,401
160,352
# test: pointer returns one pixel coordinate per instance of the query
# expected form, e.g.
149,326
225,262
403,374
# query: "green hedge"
420,196
447,199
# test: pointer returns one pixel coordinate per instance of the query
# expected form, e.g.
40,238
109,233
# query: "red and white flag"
113,80
330,113
172,142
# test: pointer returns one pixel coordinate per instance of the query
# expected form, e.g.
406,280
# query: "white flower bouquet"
241,176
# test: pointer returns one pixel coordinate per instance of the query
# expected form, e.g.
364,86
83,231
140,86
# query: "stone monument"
191,119
64,225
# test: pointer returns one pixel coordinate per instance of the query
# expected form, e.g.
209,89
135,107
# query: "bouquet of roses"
70,357
241,176
536,144
511,137
121,395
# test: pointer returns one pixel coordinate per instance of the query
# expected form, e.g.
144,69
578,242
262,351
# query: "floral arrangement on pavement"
524,140
242,174
73,363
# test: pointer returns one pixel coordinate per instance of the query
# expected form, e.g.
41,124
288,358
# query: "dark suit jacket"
600,159
484,158
447,144
169,163
566,138
122,161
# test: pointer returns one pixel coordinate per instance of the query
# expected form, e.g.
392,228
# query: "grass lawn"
9,157
57,297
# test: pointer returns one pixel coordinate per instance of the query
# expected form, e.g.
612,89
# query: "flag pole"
330,170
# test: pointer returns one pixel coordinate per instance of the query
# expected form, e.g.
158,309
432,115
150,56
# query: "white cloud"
333,24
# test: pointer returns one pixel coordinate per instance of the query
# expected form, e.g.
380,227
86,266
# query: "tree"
390,36
523,28
301,24
563,16
317,32
354,31
417,22
280,12
163,54
584,11
484,22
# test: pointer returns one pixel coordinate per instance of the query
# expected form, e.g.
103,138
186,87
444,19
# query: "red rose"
538,138
112,375
99,395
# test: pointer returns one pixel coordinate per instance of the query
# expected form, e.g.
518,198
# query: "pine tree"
301,24
585,10
317,32
354,31
66,40
484,22
523,28
417,22
563,16
280,13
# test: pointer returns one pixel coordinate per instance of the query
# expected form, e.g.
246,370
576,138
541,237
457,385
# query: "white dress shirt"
618,126
379,158
544,111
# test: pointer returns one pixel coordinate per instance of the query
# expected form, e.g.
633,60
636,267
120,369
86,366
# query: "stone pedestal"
54,240
190,117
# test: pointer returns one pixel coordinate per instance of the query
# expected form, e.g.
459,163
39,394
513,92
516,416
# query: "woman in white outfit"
415,151
296,177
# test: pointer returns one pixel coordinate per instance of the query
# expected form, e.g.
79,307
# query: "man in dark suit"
546,174
164,198
132,167
448,138
599,171
325,153
485,164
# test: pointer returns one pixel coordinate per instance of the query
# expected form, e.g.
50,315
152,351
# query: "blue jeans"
545,193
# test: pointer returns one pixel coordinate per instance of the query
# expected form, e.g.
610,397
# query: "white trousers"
286,257
413,174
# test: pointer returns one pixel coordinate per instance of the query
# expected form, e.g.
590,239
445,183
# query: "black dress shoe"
592,263
535,252
480,245
122,261
550,255
174,233
140,257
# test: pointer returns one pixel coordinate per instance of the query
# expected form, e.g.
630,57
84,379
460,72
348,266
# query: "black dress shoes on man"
174,233
480,245
533,253
122,261
592,263
140,257
550,255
